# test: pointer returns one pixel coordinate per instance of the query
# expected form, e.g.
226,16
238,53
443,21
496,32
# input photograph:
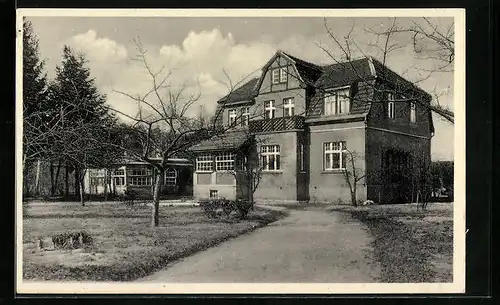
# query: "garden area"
411,245
116,242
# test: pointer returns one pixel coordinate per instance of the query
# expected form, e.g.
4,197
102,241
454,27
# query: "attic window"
337,102
279,75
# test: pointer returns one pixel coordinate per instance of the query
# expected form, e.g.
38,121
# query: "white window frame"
170,177
337,101
271,107
141,176
205,163
288,107
413,112
333,150
224,161
283,75
231,117
275,76
245,116
270,153
216,194
119,180
391,111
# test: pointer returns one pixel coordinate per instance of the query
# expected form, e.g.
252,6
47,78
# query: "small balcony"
277,124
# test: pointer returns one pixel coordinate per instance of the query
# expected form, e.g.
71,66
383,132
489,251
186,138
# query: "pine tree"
85,119
34,96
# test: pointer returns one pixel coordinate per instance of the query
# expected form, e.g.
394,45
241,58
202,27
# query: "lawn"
125,247
411,246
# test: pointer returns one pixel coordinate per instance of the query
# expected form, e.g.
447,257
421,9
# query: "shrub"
243,207
72,240
227,206
209,207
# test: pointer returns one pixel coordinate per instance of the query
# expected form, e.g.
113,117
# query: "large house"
301,120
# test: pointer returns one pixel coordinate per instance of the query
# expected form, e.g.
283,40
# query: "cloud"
99,48
202,60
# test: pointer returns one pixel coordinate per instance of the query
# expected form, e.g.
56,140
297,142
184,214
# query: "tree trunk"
82,189
56,182
106,175
156,200
66,181
52,183
37,178
77,181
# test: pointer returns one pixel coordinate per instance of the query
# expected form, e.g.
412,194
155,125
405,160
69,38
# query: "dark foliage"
72,240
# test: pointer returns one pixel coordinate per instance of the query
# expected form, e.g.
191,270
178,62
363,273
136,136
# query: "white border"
458,285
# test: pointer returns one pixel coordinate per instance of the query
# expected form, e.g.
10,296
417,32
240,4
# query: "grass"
411,246
125,246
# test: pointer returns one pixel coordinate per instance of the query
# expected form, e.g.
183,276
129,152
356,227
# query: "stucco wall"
281,185
330,186
214,181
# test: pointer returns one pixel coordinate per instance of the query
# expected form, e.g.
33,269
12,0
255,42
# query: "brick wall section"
377,143
378,116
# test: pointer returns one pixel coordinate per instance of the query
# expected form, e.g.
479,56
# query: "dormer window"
279,75
232,117
337,102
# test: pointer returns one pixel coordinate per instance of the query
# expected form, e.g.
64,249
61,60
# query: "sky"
208,53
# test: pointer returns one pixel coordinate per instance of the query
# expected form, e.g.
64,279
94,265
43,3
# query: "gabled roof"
226,141
247,91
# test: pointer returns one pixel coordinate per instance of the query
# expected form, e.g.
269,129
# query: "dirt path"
307,246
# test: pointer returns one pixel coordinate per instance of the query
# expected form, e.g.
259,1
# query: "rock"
368,202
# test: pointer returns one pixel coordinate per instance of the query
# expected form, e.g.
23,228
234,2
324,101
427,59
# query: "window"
283,75
139,180
413,112
140,171
276,76
337,102
269,109
390,106
301,153
224,161
119,172
204,163
140,176
288,107
170,176
245,116
279,75
231,117
334,155
214,194
270,157
119,181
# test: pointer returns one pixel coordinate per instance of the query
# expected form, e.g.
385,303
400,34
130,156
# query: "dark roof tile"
244,92
225,141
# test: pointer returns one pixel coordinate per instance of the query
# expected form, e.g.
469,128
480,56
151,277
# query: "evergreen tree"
85,119
34,96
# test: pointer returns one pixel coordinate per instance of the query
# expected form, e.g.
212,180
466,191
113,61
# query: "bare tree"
427,39
353,174
167,108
